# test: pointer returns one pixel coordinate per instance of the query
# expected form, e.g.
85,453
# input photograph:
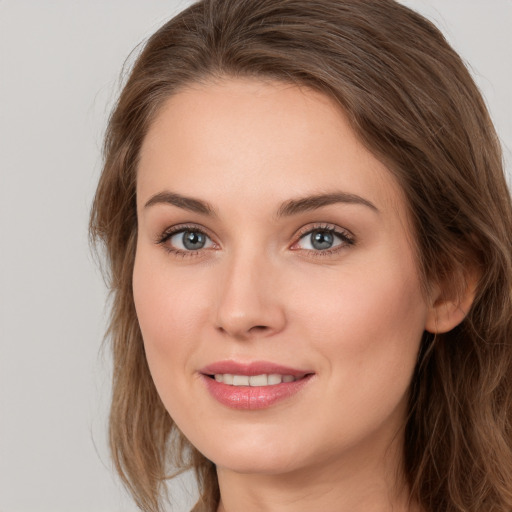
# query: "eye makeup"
324,239
192,234
319,239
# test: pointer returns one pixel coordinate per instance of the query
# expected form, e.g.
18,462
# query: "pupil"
321,240
193,240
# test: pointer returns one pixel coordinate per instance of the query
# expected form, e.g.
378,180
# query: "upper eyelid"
172,230
305,230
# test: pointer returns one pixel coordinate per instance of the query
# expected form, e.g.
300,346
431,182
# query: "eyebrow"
288,208
187,203
308,203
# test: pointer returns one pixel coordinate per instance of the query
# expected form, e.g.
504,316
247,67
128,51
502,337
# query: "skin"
259,290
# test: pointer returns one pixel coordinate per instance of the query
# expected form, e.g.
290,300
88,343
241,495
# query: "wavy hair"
413,103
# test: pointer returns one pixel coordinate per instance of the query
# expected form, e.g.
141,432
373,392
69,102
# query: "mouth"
272,379
256,385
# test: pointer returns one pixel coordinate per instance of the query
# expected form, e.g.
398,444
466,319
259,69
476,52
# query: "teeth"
253,380
240,380
258,380
274,379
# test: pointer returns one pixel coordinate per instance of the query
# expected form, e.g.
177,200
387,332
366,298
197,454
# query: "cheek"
368,328
375,300
170,315
170,311
372,313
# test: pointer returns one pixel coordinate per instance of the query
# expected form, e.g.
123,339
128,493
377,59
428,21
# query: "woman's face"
275,283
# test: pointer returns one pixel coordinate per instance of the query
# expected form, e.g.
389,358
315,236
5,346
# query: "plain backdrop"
60,62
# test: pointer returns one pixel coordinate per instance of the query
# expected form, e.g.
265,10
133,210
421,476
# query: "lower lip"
251,398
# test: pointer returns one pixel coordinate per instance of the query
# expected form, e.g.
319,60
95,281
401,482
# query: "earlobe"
449,310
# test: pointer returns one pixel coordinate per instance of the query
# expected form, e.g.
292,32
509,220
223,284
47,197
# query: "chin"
258,456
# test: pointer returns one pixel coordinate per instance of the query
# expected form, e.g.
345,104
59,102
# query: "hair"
412,102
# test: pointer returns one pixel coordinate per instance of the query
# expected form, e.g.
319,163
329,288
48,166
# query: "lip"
253,397
252,368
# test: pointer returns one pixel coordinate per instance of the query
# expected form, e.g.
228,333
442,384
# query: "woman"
309,236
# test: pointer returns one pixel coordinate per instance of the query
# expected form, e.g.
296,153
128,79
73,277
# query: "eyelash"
168,233
347,239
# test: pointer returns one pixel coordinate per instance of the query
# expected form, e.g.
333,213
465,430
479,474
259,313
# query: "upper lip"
251,368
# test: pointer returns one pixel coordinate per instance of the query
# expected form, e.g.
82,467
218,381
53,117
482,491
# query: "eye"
323,239
189,240
186,240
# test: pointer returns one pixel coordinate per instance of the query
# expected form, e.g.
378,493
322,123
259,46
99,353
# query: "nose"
249,304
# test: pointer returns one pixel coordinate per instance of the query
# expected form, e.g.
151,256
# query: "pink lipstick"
255,385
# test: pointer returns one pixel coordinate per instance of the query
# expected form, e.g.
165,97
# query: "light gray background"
59,67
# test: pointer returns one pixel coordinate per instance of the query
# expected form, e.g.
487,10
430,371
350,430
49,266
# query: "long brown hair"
412,102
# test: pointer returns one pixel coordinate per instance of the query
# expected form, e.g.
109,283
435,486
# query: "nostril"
259,328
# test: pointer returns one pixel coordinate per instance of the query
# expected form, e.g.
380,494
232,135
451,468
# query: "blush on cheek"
378,320
151,305
170,306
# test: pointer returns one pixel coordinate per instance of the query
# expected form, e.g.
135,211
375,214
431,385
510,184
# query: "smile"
254,380
254,385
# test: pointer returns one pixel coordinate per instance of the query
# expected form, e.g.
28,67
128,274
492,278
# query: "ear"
448,308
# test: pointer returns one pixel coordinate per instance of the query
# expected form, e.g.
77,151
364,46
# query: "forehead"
263,141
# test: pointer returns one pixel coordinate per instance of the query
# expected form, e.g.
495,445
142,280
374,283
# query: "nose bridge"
247,302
